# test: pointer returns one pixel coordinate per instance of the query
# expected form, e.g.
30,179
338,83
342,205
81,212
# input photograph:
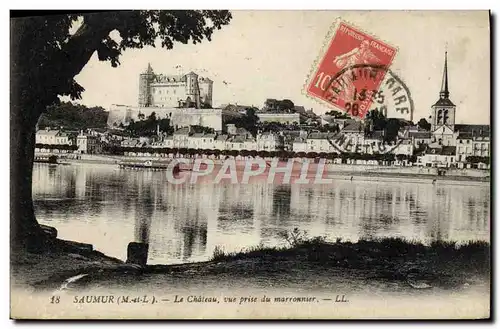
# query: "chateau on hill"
188,90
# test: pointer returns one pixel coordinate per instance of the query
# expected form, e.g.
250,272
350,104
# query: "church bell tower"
443,111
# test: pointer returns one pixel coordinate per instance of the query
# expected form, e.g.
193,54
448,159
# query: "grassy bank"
440,264
389,256
392,261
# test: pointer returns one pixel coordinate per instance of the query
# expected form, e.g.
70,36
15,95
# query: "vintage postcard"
225,164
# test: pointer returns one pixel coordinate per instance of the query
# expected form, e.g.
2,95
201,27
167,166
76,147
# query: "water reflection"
109,208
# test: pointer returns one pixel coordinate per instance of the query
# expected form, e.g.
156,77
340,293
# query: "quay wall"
344,169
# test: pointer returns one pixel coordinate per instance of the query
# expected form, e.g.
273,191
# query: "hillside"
73,117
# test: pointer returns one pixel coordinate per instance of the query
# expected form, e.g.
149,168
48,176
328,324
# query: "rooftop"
241,139
45,132
473,130
420,134
299,140
182,131
355,126
444,102
444,150
320,135
377,134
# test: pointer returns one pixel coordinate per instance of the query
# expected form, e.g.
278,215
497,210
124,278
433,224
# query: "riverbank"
396,264
371,172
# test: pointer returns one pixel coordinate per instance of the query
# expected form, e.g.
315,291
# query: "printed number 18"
55,299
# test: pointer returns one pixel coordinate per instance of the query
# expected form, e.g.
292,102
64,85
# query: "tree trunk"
24,228
29,101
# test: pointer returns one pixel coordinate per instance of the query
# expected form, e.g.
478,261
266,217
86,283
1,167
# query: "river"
109,207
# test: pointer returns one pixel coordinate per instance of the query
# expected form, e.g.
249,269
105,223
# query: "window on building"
445,118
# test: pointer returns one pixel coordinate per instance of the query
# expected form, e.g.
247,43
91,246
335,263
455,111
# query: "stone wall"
179,117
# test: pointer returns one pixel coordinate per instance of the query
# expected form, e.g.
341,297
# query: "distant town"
175,118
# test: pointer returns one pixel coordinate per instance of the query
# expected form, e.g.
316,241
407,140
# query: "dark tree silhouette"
337,114
286,105
73,117
422,123
45,58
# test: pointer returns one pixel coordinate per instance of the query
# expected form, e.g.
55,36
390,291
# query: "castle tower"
145,80
443,111
206,90
193,89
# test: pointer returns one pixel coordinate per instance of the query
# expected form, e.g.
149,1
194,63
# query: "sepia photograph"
250,164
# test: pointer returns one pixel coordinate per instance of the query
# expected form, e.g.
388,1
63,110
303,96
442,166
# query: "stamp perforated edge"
328,40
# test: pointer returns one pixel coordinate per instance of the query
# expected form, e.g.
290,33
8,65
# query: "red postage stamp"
351,71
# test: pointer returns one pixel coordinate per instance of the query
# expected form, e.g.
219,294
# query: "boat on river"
147,164
50,159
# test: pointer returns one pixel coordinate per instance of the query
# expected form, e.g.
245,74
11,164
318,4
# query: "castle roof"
166,78
162,78
149,69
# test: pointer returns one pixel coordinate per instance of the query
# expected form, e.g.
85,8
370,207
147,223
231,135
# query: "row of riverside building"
445,144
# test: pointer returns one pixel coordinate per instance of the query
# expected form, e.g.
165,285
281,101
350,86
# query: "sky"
271,54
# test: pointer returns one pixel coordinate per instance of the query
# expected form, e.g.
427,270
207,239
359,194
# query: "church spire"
444,85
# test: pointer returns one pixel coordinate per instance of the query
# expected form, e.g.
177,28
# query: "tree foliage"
338,114
45,58
284,105
73,117
423,124
375,120
249,121
148,127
